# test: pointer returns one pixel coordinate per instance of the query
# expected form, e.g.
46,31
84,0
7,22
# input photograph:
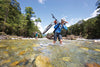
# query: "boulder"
42,61
50,36
72,37
92,65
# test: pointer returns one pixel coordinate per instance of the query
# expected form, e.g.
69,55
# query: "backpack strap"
56,28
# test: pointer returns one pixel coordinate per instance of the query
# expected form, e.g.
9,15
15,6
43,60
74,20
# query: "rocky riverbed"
42,53
4,37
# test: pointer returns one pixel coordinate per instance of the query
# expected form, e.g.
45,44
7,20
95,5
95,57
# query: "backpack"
56,28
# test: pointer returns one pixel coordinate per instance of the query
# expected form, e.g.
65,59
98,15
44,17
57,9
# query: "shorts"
57,35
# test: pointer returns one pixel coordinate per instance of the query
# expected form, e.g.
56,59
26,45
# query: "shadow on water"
42,53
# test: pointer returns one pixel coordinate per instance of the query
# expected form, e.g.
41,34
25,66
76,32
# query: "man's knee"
60,37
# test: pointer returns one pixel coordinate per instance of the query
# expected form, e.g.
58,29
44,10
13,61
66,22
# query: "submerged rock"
36,45
92,65
21,53
14,63
97,50
66,59
4,61
43,61
84,48
51,36
3,46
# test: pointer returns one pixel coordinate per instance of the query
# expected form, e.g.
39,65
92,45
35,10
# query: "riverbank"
3,37
13,37
71,37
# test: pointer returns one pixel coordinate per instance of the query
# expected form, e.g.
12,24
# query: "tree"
4,9
30,24
13,22
37,20
98,4
29,12
9,14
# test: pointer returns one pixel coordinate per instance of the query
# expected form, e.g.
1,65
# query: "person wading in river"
36,35
58,27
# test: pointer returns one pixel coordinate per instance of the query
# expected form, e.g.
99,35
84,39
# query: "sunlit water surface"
24,53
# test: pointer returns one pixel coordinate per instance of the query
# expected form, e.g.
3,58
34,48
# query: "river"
42,53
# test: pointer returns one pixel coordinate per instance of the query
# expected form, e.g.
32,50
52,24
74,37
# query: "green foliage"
30,24
88,29
12,22
37,20
29,12
98,4
9,14
64,32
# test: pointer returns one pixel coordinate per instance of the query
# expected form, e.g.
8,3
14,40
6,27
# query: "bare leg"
54,42
60,41
36,38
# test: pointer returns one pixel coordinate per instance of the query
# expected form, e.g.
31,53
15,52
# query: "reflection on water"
42,53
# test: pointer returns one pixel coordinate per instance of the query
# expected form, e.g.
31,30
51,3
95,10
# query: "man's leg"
55,38
54,42
60,41
60,38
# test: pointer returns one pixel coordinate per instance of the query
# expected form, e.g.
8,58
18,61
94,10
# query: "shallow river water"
42,53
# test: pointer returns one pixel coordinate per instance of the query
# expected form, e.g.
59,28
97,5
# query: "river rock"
2,37
72,37
42,61
50,36
92,65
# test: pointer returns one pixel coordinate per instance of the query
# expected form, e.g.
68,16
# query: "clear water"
73,53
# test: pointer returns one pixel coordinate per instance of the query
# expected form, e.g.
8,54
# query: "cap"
63,19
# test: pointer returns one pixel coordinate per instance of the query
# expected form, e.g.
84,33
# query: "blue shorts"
57,35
